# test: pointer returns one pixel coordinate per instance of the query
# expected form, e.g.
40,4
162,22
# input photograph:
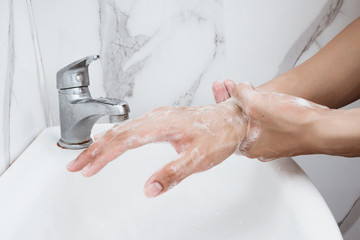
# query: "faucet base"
74,146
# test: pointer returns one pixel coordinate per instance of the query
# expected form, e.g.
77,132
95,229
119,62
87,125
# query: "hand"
279,125
203,136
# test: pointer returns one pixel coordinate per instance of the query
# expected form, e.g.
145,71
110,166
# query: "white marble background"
164,52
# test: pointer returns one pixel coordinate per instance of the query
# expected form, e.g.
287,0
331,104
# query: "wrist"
336,132
311,134
325,132
236,118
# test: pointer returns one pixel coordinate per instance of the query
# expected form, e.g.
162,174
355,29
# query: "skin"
331,77
203,136
271,133
271,121
285,128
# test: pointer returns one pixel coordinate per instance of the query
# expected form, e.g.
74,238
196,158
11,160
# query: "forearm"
331,77
336,132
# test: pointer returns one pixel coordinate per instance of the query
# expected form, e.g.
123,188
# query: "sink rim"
288,165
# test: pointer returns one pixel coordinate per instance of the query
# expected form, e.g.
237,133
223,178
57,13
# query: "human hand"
203,136
279,125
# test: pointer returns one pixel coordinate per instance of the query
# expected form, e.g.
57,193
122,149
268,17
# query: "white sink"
239,199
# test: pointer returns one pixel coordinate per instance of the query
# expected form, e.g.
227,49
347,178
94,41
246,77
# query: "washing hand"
279,125
203,136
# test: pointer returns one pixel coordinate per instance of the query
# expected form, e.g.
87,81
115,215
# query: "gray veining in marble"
8,92
187,98
120,67
351,217
40,68
8,84
325,17
117,48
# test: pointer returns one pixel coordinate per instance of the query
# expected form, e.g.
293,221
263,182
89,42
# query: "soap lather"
78,110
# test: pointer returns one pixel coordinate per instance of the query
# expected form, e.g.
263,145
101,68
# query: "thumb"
242,94
168,177
220,92
229,85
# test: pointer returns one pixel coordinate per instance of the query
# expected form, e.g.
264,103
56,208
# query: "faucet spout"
102,106
78,110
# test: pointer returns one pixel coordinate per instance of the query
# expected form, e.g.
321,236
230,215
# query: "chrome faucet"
78,110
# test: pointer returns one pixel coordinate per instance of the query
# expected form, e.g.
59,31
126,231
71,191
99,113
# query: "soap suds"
175,168
130,141
264,159
195,153
229,120
303,103
95,151
322,106
203,126
176,137
172,185
183,147
99,135
196,157
253,136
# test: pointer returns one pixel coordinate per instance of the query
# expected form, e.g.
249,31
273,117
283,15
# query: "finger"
87,155
169,176
242,95
220,92
125,140
229,85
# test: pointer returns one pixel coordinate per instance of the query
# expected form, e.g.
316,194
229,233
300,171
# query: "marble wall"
23,102
163,52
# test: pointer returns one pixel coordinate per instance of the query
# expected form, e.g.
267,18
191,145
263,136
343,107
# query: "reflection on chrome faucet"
78,110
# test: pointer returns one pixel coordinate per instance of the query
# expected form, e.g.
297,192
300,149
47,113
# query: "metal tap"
78,110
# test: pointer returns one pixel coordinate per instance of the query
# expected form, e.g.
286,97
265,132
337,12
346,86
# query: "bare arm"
290,126
337,132
331,77
253,121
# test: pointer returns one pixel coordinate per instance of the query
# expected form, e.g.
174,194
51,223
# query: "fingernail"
85,172
70,164
153,189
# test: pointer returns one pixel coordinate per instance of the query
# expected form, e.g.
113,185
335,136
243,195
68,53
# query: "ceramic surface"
239,199
162,52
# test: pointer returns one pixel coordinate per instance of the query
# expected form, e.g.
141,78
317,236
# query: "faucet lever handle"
75,74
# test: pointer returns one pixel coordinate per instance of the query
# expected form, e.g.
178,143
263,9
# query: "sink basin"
239,199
